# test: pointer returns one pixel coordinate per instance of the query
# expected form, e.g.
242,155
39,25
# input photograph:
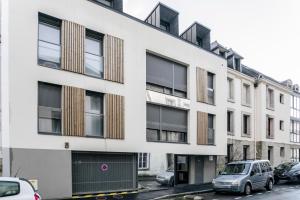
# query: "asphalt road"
280,192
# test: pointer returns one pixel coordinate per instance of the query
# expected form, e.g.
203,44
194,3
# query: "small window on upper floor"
210,88
270,98
106,2
281,98
94,54
49,42
49,108
281,125
246,99
230,86
165,25
246,126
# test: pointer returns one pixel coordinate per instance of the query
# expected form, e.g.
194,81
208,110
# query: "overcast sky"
265,32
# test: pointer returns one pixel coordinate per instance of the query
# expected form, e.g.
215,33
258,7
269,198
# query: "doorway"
181,169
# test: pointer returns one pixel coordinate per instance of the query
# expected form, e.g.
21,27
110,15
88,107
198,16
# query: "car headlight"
236,183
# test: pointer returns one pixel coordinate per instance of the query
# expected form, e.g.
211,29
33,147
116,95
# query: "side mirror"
252,173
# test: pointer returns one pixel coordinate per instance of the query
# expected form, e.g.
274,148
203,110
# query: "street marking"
249,195
238,198
259,193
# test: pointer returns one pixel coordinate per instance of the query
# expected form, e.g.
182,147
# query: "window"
106,2
270,154
165,124
282,152
245,152
165,76
295,155
49,108
230,87
94,54
270,127
237,63
281,98
165,25
255,169
230,122
170,161
8,188
143,159
49,42
211,129
210,88
94,114
295,131
281,125
246,124
229,153
246,94
270,98
295,107
199,41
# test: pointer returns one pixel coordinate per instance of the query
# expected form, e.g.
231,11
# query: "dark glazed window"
49,42
210,88
8,188
106,2
166,76
165,25
94,54
166,124
94,114
49,108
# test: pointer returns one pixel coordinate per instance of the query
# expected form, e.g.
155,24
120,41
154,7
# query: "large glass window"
295,107
166,76
295,155
246,124
295,131
94,54
211,129
49,43
94,114
49,108
166,124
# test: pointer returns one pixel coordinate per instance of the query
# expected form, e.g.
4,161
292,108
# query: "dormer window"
222,53
199,41
237,63
165,25
106,2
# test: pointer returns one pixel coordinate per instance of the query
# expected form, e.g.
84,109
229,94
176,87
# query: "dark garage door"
102,172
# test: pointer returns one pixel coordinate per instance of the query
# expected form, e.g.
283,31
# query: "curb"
184,193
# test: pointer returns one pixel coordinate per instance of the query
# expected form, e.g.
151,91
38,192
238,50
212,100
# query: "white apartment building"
82,96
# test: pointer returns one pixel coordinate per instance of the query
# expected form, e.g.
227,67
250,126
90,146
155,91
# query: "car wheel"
269,185
247,189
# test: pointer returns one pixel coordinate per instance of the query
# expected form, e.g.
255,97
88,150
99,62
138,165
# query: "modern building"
87,101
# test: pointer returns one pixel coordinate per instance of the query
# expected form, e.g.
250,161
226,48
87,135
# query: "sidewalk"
187,189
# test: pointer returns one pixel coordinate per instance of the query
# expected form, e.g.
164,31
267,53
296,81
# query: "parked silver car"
166,177
245,176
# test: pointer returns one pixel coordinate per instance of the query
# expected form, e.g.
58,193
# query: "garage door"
102,172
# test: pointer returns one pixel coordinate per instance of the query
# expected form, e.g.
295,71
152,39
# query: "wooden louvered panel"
202,128
113,59
73,111
114,112
201,81
72,40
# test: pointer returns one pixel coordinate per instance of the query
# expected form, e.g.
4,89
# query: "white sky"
265,32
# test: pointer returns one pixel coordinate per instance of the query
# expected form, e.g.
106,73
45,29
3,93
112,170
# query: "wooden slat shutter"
73,111
202,128
114,116
201,81
72,40
113,59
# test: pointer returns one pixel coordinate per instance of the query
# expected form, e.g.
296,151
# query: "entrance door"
199,168
181,169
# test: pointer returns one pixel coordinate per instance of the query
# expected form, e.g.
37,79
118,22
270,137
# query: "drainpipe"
256,83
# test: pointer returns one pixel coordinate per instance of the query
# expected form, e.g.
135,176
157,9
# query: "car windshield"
287,166
240,168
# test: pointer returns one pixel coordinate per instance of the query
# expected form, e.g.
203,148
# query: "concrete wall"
52,169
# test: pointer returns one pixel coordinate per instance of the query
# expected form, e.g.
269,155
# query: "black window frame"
165,24
111,2
90,34
51,22
55,109
211,90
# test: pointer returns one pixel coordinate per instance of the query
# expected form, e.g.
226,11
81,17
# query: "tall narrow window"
211,130
281,98
94,114
270,127
49,43
210,88
230,121
94,54
49,108
230,88
229,153
246,95
245,152
270,98
246,124
143,161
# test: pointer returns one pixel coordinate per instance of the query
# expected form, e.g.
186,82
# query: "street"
280,192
